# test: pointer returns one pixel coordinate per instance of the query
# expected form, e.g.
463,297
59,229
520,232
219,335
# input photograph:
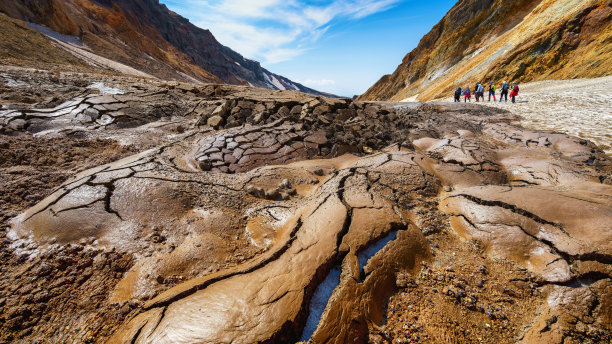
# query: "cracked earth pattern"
250,199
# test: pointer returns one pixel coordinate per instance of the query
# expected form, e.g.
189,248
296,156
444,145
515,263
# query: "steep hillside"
483,40
19,45
145,35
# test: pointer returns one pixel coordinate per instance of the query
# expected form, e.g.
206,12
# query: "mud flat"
235,214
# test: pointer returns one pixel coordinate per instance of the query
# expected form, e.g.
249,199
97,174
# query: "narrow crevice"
513,209
135,338
161,317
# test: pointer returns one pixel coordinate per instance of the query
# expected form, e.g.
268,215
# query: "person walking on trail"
504,91
467,94
458,95
514,93
492,91
480,92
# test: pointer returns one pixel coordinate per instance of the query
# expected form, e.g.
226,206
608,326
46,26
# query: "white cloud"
273,31
317,82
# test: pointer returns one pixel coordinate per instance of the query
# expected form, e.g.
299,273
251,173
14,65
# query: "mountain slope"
145,35
483,40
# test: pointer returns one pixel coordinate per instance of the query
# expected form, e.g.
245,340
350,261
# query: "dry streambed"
257,216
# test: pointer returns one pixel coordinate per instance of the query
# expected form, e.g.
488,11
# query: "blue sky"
337,46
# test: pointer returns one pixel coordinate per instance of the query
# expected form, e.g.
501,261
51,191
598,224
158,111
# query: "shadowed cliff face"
145,35
490,40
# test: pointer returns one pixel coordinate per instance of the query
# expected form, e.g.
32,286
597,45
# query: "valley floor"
580,107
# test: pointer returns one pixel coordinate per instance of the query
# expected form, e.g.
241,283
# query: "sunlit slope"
528,40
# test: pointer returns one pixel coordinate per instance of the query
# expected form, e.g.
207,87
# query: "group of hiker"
480,89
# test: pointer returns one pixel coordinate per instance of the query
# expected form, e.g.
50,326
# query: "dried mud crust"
35,293
242,204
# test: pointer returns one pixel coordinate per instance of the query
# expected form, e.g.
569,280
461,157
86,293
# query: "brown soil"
461,296
20,45
42,290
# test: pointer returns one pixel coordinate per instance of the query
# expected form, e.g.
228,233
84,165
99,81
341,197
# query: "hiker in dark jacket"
467,94
492,91
458,95
504,91
514,93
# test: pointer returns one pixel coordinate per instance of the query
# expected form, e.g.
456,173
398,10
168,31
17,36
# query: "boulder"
17,124
215,121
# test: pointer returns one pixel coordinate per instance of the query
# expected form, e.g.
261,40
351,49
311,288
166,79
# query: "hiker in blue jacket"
504,91
480,92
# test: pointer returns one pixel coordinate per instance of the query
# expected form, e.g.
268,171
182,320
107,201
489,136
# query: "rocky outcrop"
147,36
232,227
482,41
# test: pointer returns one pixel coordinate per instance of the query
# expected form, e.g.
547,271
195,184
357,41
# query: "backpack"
458,92
505,87
516,88
492,88
480,88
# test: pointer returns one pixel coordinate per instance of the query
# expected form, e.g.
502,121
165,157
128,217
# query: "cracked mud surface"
212,214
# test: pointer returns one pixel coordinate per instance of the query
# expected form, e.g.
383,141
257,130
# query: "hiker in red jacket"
467,94
514,93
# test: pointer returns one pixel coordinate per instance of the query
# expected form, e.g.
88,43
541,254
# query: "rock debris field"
141,211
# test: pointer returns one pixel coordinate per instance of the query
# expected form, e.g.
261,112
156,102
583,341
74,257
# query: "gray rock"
92,113
82,118
17,124
106,120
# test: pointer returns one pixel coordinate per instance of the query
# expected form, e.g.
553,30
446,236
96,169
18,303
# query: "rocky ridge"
481,41
145,36
302,216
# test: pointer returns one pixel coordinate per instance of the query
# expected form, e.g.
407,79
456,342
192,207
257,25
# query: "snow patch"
56,35
274,82
369,252
319,301
100,86
412,99
13,83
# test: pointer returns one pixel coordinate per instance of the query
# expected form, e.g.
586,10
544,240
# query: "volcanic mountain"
491,40
146,36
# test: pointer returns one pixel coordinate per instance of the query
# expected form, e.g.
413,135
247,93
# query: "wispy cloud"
317,82
273,31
